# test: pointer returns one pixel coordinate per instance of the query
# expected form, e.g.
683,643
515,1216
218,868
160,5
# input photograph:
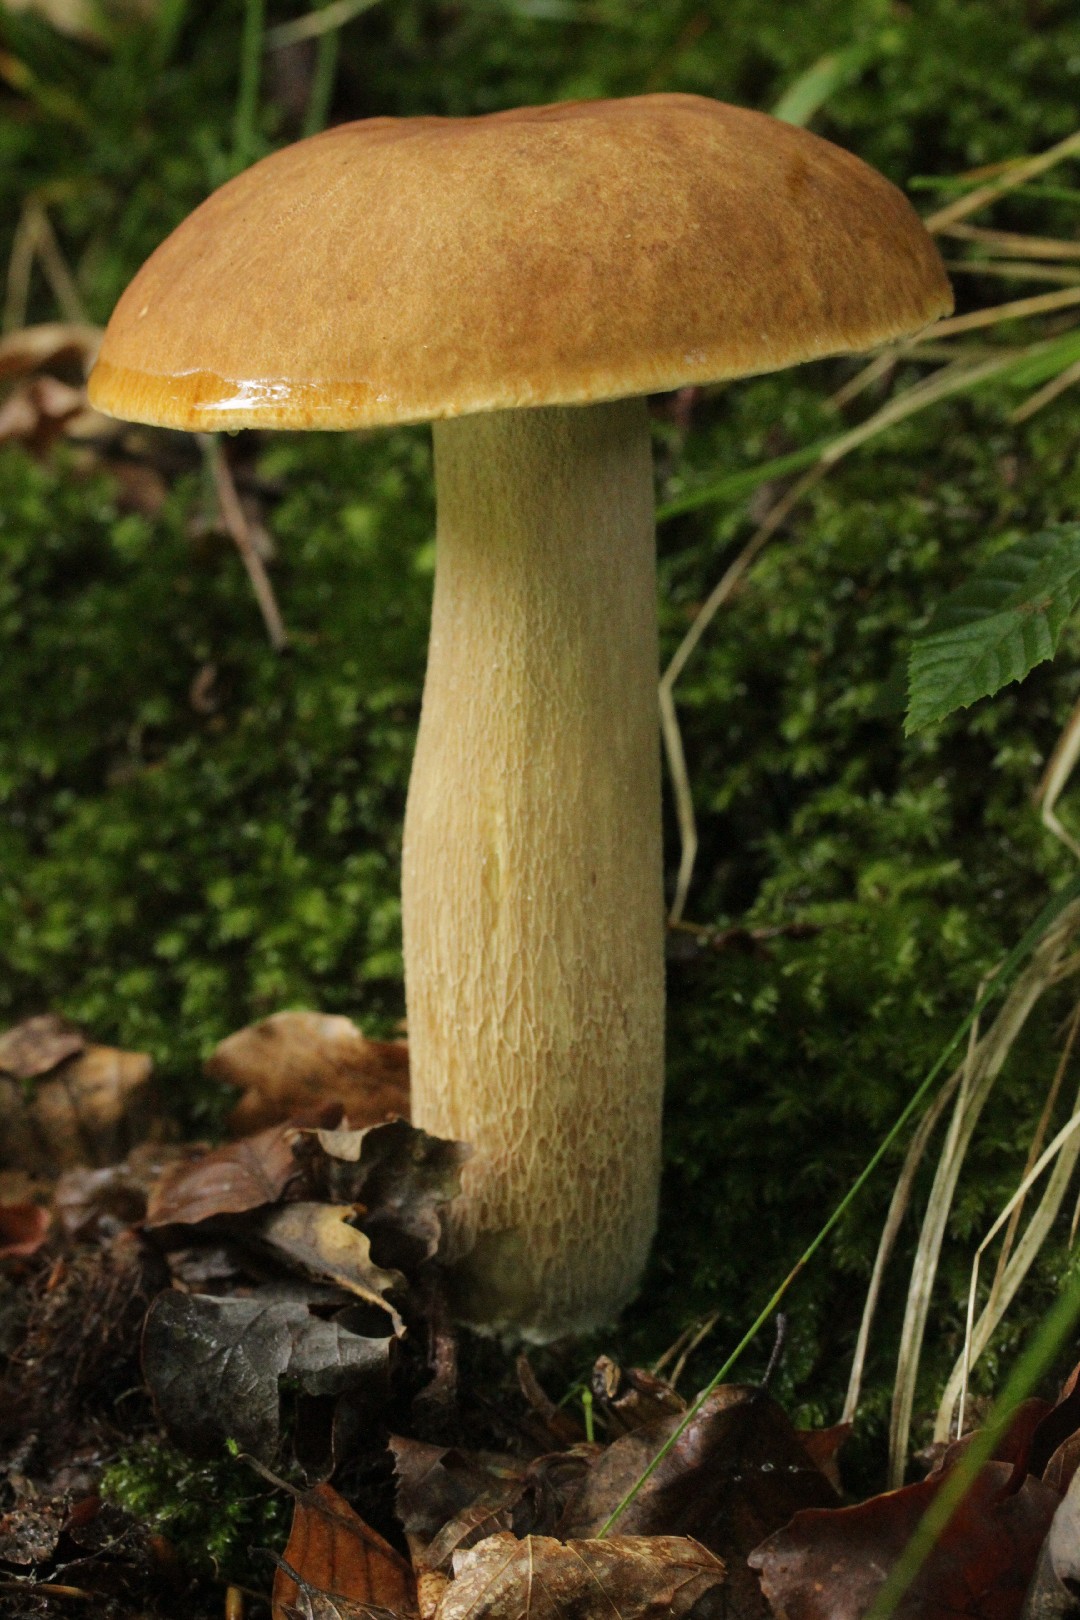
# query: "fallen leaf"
318,1239
23,1229
1054,1593
227,1180
404,1177
294,1061
830,1564
1060,1471
342,1559
214,1366
630,1397
1013,1446
632,1577
823,1448
38,1044
738,1472
88,1109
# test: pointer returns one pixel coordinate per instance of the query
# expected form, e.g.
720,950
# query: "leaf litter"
284,1295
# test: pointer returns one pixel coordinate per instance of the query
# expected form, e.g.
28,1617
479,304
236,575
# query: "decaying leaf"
214,1366
38,1044
404,1177
823,1447
342,1559
737,1473
829,1565
227,1180
319,1240
630,1396
23,1229
630,1577
88,1108
295,1061
1054,1593
99,1203
52,343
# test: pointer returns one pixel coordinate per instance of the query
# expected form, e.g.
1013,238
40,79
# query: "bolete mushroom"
523,280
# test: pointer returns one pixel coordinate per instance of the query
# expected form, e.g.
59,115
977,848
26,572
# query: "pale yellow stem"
532,866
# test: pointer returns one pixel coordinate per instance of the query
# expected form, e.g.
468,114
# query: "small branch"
235,521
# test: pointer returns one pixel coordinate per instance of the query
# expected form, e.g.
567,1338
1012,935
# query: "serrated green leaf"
996,627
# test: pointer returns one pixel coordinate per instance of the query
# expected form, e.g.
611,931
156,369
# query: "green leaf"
996,627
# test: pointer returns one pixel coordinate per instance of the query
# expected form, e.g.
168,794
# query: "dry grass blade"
324,21
1059,768
1045,395
1033,1153
1066,1148
669,724
1027,1250
1014,244
1015,175
1017,309
984,1064
1013,270
235,521
898,1208
36,239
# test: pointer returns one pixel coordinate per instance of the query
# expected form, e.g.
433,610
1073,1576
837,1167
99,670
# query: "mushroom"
523,280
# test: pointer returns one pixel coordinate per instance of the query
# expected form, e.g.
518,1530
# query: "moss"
168,872
215,1515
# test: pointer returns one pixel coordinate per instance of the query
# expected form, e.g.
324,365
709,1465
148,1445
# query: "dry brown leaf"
295,1061
99,1203
23,1229
37,1045
631,1577
630,1396
738,1472
89,1109
830,1565
823,1447
318,1240
404,1178
226,1180
336,1553
50,344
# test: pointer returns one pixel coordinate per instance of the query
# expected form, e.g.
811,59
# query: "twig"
777,1349
235,521
696,1338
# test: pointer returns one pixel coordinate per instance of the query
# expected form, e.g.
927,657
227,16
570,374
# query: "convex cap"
399,270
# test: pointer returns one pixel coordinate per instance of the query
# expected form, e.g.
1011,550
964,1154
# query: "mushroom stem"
532,895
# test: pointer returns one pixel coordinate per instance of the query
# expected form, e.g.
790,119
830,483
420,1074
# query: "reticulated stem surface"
532,867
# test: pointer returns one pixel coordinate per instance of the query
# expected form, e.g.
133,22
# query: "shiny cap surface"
399,270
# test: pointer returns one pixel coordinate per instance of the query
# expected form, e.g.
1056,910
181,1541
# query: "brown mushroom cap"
400,270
